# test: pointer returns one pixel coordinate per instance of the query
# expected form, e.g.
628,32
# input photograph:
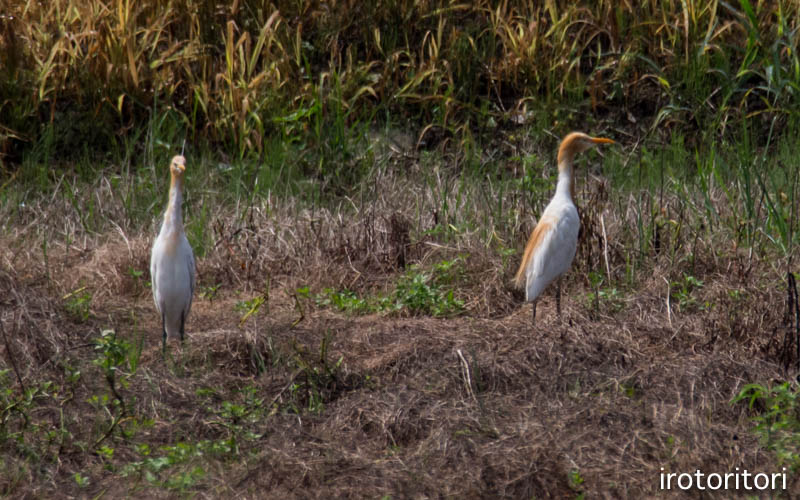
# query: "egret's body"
552,245
172,270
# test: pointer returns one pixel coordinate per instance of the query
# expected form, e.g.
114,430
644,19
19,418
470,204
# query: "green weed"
417,292
209,292
81,480
250,307
316,379
137,276
777,422
608,298
78,303
683,292
576,483
118,360
172,468
347,301
181,466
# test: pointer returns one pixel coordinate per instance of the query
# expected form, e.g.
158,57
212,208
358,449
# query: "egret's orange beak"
602,140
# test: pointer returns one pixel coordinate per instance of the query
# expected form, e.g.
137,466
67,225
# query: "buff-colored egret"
552,245
172,270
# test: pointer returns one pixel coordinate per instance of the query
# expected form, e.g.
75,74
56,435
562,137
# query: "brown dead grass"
603,397
481,405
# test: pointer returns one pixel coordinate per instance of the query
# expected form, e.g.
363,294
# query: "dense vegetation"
361,178
94,75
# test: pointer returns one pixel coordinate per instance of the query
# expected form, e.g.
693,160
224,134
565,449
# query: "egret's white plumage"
553,243
172,270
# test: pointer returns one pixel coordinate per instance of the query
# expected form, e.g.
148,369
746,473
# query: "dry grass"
481,404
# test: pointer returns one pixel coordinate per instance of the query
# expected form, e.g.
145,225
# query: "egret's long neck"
566,179
172,216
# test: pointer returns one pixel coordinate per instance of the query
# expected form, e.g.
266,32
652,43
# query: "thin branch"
11,357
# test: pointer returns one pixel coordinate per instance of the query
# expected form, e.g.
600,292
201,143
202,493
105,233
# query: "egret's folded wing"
192,280
192,277
540,238
153,282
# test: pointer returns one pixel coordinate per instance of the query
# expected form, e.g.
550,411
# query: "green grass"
416,292
775,419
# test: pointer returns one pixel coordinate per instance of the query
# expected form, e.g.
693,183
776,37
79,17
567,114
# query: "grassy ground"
360,184
368,343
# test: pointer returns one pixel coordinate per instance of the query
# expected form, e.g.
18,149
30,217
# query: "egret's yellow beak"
179,163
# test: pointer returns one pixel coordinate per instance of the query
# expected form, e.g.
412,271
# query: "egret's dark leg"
182,318
533,312
558,297
163,333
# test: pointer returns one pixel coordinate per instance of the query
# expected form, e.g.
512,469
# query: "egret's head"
178,165
578,142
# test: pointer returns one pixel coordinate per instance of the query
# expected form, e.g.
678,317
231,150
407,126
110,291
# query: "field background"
361,180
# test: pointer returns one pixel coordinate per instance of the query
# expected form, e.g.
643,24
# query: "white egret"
552,245
172,269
